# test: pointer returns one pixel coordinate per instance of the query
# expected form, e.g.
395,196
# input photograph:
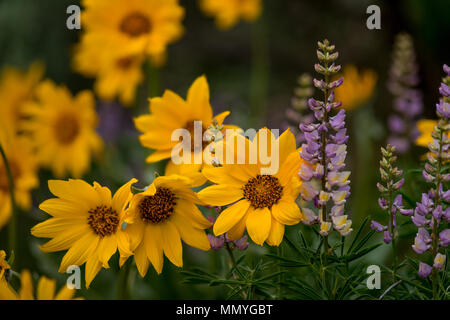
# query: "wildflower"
46,289
424,270
87,221
425,128
261,203
228,12
23,165
118,71
16,87
216,243
169,113
299,113
325,148
429,213
62,128
357,89
377,226
4,266
439,261
139,26
407,99
160,217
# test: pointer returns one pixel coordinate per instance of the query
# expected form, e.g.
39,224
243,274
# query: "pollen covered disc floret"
135,24
263,191
159,207
103,220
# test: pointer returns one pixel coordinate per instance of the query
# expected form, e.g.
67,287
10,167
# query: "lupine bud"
439,261
424,270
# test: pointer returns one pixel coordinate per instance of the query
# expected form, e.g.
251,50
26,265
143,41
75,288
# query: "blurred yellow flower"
227,13
3,264
160,217
261,203
87,221
425,128
62,128
140,26
118,72
169,113
23,166
16,87
357,89
46,289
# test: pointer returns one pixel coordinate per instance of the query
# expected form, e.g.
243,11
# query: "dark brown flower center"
124,63
196,144
263,191
159,207
103,220
66,128
135,24
15,172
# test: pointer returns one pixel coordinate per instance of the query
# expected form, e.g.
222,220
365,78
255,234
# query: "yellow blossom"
425,128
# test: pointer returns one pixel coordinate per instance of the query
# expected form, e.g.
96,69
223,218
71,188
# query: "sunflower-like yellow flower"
16,87
62,128
425,128
261,203
169,113
87,221
160,217
357,89
146,26
228,12
3,264
23,165
46,289
118,71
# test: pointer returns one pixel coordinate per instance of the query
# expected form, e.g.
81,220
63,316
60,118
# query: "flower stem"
152,80
12,222
123,292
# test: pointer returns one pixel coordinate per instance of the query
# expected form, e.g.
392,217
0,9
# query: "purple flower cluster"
219,242
300,111
407,102
391,183
431,215
325,151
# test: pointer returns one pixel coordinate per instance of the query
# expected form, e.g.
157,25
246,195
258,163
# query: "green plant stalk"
152,80
392,231
235,267
12,222
123,290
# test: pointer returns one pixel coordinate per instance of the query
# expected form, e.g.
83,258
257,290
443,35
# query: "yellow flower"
23,166
118,71
160,217
357,89
261,203
228,12
87,221
62,128
425,127
46,289
3,264
169,113
142,26
16,87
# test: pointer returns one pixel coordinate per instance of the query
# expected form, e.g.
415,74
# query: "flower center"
135,24
15,172
159,207
66,128
199,145
263,191
103,220
124,63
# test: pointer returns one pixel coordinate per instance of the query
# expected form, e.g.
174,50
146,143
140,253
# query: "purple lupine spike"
444,237
377,226
387,237
242,243
216,243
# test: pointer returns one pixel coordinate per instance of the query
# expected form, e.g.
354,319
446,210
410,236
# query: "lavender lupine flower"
325,151
424,270
391,183
300,111
431,213
216,243
219,242
402,84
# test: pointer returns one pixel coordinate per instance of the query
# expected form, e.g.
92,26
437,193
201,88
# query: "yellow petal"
258,224
153,239
229,217
192,236
220,195
276,233
80,251
192,214
93,267
172,243
26,286
45,289
123,196
140,257
286,212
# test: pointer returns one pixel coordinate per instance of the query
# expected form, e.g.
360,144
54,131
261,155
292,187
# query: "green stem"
123,292
152,80
12,222
392,231
259,73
